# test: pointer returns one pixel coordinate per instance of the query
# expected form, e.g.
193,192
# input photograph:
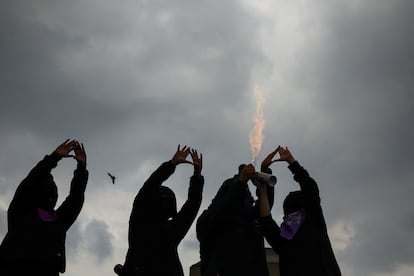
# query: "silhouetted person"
35,241
302,240
231,243
155,226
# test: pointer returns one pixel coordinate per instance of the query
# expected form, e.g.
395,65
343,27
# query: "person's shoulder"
230,180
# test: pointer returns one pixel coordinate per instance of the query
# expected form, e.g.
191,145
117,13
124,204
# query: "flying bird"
112,178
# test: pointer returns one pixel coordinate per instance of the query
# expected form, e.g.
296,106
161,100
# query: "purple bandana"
46,215
291,224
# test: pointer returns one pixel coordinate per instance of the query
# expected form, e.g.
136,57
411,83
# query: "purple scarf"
46,215
291,224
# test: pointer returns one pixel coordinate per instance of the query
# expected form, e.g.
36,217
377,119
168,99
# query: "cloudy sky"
133,79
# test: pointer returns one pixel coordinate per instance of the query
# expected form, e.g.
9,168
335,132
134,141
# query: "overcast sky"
132,79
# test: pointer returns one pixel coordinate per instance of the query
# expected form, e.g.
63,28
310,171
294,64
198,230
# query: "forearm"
79,180
306,182
271,231
195,190
72,205
44,166
264,206
195,194
162,173
186,216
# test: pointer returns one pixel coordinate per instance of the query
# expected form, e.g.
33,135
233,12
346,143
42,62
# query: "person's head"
241,167
168,203
293,202
47,194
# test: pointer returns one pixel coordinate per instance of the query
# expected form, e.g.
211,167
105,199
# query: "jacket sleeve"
164,171
70,208
271,232
270,193
24,198
308,186
186,216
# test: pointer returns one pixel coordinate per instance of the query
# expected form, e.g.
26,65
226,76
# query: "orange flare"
256,134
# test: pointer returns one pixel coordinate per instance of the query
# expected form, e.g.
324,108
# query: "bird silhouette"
112,178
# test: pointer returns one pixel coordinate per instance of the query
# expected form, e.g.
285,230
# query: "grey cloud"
381,245
352,132
133,80
191,244
98,240
3,223
74,239
80,98
364,80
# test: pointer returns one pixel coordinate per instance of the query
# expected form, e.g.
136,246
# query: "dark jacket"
231,242
33,243
153,241
309,252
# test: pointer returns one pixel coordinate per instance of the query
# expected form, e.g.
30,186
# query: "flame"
256,134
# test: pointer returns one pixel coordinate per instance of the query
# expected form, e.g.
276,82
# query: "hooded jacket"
153,237
309,252
231,242
35,240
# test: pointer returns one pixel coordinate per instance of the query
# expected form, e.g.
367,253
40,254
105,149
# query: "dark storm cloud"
74,77
36,95
131,82
389,244
362,71
133,79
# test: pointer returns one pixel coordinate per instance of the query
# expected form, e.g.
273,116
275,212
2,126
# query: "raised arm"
270,229
264,206
72,205
307,184
166,169
185,217
25,196
265,167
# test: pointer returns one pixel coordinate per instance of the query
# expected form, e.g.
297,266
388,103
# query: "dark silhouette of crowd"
231,231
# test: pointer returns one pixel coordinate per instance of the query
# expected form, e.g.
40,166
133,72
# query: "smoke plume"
256,134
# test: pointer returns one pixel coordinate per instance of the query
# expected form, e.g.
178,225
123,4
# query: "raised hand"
197,161
180,155
248,172
80,154
285,155
268,160
63,149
